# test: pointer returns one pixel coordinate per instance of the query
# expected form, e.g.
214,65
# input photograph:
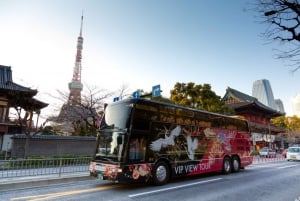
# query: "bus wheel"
161,173
235,164
226,165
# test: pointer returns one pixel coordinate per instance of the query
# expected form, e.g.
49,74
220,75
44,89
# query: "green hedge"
255,153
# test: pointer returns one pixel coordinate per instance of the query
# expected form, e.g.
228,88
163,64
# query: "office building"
279,105
263,92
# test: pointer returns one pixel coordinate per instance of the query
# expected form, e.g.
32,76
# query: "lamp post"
7,147
289,120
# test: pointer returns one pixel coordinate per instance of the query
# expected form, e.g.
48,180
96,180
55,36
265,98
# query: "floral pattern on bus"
137,171
205,148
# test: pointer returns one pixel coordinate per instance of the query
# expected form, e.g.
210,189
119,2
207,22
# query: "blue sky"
140,43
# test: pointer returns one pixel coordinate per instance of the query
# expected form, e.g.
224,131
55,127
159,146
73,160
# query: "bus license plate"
293,157
100,168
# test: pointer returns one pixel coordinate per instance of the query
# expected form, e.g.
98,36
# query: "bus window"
137,149
184,113
231,124
205,124
143,116
242,125
167,110
166,114
217,122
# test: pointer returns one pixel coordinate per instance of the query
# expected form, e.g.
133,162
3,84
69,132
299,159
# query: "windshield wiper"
114,129
107,127
111,159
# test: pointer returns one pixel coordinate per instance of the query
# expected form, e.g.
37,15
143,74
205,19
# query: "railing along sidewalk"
36,167
262,159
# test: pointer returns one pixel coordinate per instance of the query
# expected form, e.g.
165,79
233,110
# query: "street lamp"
289,127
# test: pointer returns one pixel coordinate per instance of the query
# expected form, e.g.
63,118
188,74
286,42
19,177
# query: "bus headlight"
115,170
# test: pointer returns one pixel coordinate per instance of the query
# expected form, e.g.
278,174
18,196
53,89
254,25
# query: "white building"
296,105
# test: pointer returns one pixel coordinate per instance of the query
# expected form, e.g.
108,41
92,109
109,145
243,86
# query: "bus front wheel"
226,165
161,173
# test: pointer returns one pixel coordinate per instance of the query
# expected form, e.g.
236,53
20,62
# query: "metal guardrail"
58,166
262,159
37,167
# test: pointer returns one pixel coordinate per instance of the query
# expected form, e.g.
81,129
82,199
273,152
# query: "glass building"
279,105
263,92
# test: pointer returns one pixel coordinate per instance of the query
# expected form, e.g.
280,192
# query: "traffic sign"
136,94
156,91
116,99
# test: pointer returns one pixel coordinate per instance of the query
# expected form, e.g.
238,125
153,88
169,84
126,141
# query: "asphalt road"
278,181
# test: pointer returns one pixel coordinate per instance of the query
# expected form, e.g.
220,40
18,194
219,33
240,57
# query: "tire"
236,166
227,165
160,173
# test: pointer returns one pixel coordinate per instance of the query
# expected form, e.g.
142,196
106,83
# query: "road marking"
61,194
287,166
261,166
175,187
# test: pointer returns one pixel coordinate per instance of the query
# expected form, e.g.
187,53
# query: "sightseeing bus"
144,140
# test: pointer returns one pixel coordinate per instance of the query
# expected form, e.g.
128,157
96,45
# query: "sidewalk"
42,180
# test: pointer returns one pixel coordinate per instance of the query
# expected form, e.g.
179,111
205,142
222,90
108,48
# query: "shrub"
255,153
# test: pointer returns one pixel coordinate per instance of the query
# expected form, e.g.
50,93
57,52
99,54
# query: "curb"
39,182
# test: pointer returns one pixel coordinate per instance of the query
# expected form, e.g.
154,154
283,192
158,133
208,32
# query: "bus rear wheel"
161,173
235,164
226,165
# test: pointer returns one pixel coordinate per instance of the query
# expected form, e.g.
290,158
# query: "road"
278,181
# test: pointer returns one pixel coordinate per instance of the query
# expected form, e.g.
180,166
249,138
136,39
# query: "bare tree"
81,118
26,107
123,91
283,20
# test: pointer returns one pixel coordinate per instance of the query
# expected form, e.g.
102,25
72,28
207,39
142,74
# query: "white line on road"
261,166
172,188
287,166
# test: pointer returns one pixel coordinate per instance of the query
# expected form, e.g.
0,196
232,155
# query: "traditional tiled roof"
242,100
34,104
6,82
8,85
10,89
239,95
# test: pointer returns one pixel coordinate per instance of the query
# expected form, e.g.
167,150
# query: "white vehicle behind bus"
293,153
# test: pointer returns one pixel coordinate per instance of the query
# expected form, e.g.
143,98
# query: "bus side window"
137,149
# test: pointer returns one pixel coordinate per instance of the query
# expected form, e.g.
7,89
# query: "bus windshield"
113,132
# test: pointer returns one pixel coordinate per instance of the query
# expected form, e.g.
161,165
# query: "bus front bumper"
104,171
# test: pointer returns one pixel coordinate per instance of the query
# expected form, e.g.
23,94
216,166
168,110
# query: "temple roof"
17,94
11,86
243,103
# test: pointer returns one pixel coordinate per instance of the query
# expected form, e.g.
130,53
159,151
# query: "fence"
36,167
58,166
260,159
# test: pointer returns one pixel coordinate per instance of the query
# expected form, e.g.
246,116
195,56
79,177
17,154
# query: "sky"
140,44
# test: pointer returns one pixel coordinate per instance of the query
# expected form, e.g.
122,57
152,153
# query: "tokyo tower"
75,86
